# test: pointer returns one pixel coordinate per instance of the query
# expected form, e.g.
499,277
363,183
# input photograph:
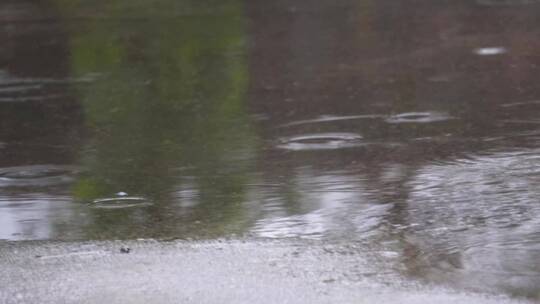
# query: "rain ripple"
418,117
333,118
321,141
120,202
17,89
523,103
36,175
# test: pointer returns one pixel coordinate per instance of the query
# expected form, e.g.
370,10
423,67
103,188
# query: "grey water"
413,126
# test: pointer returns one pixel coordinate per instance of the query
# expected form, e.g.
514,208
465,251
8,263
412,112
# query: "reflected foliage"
167,105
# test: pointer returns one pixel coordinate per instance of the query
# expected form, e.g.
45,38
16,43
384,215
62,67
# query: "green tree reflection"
167,103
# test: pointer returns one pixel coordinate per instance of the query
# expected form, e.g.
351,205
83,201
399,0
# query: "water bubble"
489,51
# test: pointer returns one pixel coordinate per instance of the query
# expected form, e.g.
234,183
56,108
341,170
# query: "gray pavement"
222,271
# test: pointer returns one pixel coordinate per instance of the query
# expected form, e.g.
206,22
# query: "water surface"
410,125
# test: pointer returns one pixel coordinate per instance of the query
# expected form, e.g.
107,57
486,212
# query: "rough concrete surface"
222,271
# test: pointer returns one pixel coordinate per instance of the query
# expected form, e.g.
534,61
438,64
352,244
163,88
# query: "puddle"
344,122
503,189
308,226
418,117
321,141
